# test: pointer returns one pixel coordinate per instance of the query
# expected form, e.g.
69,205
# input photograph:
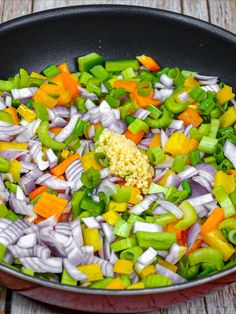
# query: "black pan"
54,36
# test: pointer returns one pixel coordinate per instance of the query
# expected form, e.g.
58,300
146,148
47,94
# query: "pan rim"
127,10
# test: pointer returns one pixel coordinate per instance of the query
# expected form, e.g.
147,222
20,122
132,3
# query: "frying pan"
54,36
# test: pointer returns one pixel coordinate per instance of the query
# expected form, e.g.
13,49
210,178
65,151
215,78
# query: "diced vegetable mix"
119,176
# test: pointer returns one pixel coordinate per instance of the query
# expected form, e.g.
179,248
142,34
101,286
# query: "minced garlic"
125,159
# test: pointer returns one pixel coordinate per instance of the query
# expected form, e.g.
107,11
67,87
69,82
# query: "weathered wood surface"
219,12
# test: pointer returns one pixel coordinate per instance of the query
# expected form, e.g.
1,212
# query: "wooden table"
219,12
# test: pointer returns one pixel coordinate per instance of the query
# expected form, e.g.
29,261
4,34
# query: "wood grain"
219,12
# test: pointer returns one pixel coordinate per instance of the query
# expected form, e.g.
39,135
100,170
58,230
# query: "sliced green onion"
195,157
123,244
88,61
79,127
99,72
84,77
154,112
120,65
4,165
138,125
122,194
129,119
198,94
196,134
207,106
128,73
215,123
66,279
156,240
122,228
94,208
225,233
179,162
145,88
80,104
232,236
131,254
187,187
112,101
177,76
218,153
91,178
51,71
225,165
156,155
3,251
224,201
207,144
41,111
76,203
156,280
101,159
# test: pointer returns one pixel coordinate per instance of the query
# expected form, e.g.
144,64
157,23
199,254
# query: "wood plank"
196,8
16,8
172,5
223,13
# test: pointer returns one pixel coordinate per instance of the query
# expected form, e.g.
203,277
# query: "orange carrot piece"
213,220
61,168
37,192
49,205
195,246
51,89
69,83
171,228
55,130
142,101
129,86
149,63
156,141
136,138
190,116
63,67
38,220
14,115
41,96
57,80
64,98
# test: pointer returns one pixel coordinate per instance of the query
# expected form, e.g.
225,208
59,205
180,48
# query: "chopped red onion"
177,124
183,97
91,223
173,180
62,111
188,173
230,152
52,158
233,102
203,181
143,205
144,226
159,210
35,151
23,92
63,228
88,249
204,77
19,252
10,129
107,187
47,238
187,130
77,232
162,253
21,207
59,122
176,253
206,171
212,81
73,271
49,222
164,138
138,267
170,274
200,200
166,164
141,114
108,232
171,208
67,130
166,80
104,90
113,258
159,85
159,174
27,241
85,94
156,131
8,258
211,205
39,265
11,154
41,251
148,257
106,250
193,234
212,88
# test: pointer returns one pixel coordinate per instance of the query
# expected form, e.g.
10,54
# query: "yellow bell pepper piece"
164,179
65,154
12,145
93,271
115,284
117,207
123,266
138,285
168,265
228,118
190,82
135,197
113,80
148,270
26,113
89,161
216,240
179,143
225,94
37,75
14,169
227,181
92,237
111,217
